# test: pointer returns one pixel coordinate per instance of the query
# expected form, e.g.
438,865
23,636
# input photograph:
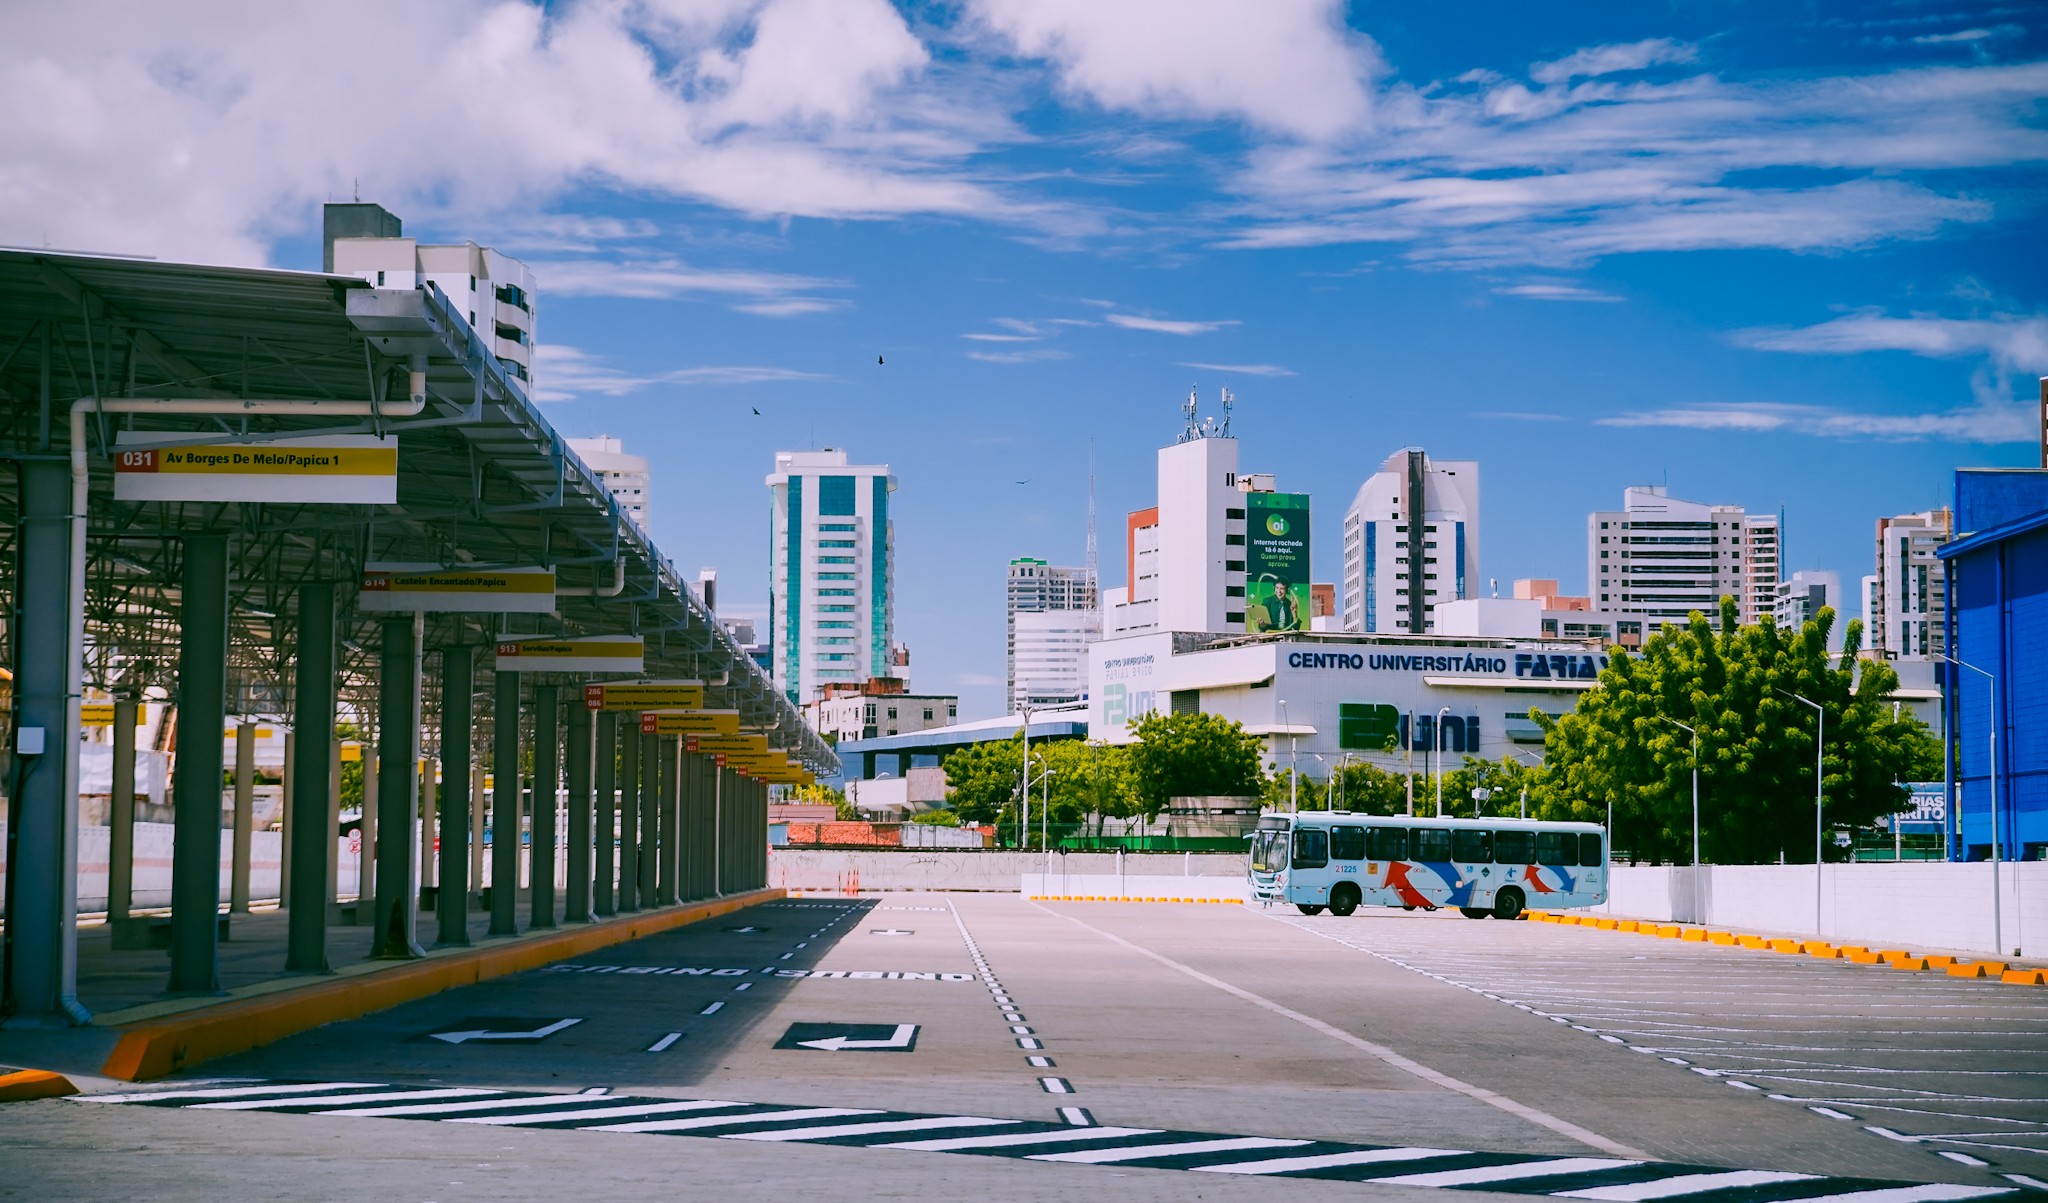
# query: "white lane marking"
662,1044
958,1143
554,1100
1077,1116
1039,1062
897,1125
713,1009
1029,1042
502,1121
714,1121
1831,1113
223,1092
2024,1180
743,986
385,1096
1506,1173
1140,1152
1911,1194
1055,1086
1560,1126
1888,1134
1020,1030
1683,1184
1284,1165
1962,1158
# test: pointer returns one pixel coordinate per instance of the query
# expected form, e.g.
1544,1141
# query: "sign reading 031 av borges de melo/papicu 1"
1276,568
321,469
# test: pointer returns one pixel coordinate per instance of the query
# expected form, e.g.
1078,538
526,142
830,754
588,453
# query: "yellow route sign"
690,722
644,695
101,714
322,469
407,588
729,745
579,654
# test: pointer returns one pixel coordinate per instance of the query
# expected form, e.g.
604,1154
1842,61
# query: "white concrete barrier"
816,870
1911,904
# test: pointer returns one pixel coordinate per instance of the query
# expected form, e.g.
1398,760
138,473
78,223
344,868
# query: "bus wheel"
1308,908
1508,904
1474,912
1343,900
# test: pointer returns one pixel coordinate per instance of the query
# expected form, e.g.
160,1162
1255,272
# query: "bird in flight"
757,412
878,359
1023,482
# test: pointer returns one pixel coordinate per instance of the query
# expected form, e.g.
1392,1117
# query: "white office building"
625,475
1068,595
1411,543
1801,596
494,292
1906,611
1664,558
831,588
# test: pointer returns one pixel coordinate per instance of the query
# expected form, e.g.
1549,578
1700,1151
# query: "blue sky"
1780,255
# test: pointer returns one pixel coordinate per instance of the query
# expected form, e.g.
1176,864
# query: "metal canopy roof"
483,479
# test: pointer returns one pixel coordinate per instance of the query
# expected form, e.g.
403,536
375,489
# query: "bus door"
1472,856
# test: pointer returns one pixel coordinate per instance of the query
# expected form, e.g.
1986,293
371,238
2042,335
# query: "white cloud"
1032,355
2012,342
563,373
1540,291
661,277
1159,325
1242,369
1987,422
791,306
1004,338
1290,67
1608,60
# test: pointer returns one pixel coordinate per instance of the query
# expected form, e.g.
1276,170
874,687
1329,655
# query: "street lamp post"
1819,788
1436,742
1479,796
1997,854
1538,763
1698,917
1293,762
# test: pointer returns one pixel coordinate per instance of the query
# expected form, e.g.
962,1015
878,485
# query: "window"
1590,852
844,527
835,559
835,593
1230,513
927,714
380,279
1388,843
1233,540
1347,843
892,712
835,576
845,543
1556,848
1233,565
1234,616
1514,847
1233,590
835,609
1311,849
840,626
1430,844
1472,846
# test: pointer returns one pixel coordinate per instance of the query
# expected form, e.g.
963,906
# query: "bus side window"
1556,848
1514,847
1430,843
1388,843
1472,846
1311,848
1590,852
1347,843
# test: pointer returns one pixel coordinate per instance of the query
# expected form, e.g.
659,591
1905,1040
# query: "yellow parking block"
1786,946
1694,935
1825,952
34,1084
1721,937
1752,941
1911,964
1864,956
1978,969
2025,977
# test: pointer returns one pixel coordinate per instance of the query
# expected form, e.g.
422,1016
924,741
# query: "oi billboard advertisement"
1276,562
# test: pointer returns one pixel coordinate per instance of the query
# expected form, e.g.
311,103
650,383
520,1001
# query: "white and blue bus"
1497,867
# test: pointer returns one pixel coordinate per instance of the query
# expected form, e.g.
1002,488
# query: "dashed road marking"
662,1044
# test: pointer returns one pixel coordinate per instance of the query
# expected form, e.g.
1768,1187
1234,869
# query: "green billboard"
1276,569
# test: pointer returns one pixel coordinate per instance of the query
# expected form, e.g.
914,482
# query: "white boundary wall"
1914,905
1134,885
827,870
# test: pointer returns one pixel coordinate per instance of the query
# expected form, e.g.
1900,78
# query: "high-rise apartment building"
493,292
1907,610
1663,558
1411,542
832,564
625,475
1801,596
1052,614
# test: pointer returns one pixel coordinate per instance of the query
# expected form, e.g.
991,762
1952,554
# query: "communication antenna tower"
1229,397
1093,592
1193,430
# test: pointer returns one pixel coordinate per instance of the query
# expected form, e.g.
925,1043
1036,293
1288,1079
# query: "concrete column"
629,812
577,762
605,858
284,830
651,834
688,803
121,815
245,816
547,786
331,821
309,846
366,829
398,765
41,978
195,799
451,907
505,833
476,827
430,821
673,838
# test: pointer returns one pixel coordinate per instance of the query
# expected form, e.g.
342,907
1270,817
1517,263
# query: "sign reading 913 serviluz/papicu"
575,654
334,469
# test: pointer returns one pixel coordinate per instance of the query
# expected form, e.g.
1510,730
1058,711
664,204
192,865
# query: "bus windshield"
1269,851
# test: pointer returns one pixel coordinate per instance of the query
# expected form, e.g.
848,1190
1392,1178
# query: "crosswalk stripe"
642,1108
224,1092
433,1109
1286,1165
1506,1173
1683,1184
384,1096
1929,1193
965,1144
1140,1152
715,1121
900,1125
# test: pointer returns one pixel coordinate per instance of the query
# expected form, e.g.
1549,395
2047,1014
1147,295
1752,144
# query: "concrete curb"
155,1048
34,1084
1890,958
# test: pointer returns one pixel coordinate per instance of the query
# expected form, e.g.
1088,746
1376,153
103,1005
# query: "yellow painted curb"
34,1084
154,1048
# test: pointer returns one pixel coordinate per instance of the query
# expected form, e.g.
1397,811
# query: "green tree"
1192,755
1756,743
1090,781
981,780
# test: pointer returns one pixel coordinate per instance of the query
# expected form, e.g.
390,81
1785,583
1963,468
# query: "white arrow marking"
832,1044
889,931
536,1034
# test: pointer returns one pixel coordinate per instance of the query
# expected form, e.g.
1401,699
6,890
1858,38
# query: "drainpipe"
617,586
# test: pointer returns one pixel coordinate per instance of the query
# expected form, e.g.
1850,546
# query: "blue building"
1997,572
